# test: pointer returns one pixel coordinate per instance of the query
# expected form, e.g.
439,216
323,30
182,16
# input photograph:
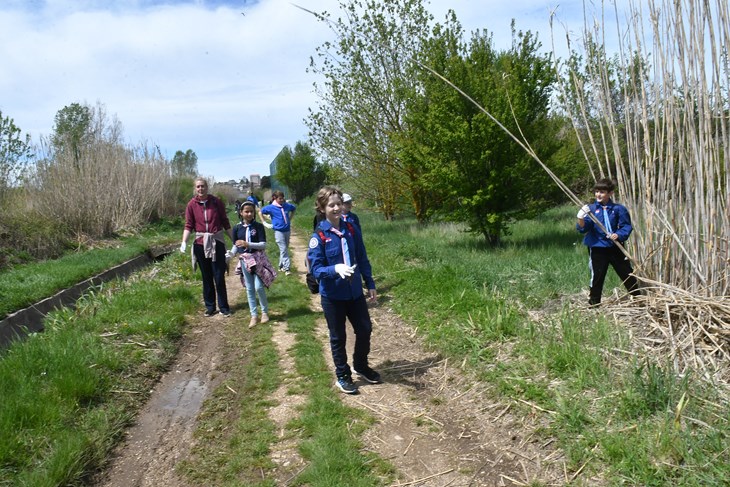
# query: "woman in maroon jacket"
206,216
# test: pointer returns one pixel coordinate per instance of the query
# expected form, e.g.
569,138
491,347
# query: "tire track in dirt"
162,434
435,424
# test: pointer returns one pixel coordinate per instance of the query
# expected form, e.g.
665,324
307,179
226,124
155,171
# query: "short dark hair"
604,184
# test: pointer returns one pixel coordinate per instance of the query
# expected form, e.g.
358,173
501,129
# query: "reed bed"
107,187
655,117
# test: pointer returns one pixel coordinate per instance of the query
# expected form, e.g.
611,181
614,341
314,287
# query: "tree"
184,163
95,183
299,171
484,178
72,129
368,80
15,150
265,182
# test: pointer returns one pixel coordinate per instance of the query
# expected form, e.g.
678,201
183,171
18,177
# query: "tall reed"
655,117
660,115
106,187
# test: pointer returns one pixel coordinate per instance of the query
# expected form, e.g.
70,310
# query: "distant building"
275,183
255,180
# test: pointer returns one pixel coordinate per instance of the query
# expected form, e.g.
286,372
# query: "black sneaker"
225,314
209,312
346,385
369,375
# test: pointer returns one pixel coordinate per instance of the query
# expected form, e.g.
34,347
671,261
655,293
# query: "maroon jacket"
207,217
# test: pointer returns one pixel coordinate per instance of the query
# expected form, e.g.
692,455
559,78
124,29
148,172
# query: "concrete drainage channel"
30,320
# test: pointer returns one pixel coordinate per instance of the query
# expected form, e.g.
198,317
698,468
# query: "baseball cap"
346,197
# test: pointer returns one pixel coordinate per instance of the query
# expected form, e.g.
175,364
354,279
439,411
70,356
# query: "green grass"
59,413
234,434
26,284
330,429
612,413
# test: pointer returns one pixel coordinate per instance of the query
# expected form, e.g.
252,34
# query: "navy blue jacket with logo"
324,255
620,221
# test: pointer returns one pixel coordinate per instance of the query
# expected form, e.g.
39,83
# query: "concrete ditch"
20,324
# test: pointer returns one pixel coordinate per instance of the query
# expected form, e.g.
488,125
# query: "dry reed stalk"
662,130
110,187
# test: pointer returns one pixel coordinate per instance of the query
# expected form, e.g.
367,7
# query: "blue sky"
198,74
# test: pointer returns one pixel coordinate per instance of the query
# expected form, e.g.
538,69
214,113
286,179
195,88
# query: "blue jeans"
255,286
214,277
282,240
335,312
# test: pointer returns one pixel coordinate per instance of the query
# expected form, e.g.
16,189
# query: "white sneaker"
253,322
264,318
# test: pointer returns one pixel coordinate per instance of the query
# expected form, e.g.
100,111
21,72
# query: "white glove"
343,270
583,212
268,225
183,247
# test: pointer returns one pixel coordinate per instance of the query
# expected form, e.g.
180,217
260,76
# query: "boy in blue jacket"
602,250
338,260
347,213
280,212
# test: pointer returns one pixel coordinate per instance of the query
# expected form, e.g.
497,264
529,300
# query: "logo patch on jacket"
313,243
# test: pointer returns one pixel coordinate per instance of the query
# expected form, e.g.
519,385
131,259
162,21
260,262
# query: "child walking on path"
602,250
257,273
347,213
280,212
338,260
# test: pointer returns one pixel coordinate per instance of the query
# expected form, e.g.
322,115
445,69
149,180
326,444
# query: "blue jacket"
257,233
278,221
620,221
324,255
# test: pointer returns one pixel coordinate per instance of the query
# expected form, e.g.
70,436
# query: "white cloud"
192,74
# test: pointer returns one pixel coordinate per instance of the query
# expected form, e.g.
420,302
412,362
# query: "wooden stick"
418,481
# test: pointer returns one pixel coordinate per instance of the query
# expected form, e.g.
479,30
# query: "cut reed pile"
655,117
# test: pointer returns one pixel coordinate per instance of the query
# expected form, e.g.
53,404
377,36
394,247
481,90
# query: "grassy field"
611,410
69,392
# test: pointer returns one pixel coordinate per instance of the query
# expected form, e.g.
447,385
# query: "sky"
227,79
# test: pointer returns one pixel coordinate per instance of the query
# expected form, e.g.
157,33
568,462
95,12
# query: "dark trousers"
599,260
214,277
335,312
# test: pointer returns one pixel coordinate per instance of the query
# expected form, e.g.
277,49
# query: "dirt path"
437,426
163,431
434,424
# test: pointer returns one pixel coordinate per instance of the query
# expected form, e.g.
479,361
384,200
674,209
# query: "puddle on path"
184,398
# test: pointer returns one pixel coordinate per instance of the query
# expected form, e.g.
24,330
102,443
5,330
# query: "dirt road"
434,423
